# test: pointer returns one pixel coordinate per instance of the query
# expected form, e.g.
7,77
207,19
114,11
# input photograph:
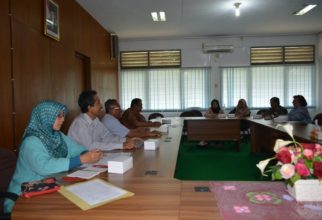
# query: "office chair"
319,118
261,111
8,161
155,115
191,113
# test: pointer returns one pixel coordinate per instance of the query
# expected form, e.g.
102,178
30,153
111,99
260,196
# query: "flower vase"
306,190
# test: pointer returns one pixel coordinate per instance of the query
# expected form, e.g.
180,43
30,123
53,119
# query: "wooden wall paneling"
105,81
29,13
67,80
6,119
104,73
83,39
47,69
31,72
69,23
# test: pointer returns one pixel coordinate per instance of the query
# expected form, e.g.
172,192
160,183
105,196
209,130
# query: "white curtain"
166,88
257,84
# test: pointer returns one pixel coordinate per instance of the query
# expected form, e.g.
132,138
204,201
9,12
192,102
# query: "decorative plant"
294,160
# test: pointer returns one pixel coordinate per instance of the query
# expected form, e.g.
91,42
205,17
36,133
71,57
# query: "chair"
261,111
8,161
155,115
319,118
191,113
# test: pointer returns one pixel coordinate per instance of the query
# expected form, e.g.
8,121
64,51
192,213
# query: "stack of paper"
120,164
110,156
164,128
93,193
84,174
166,121
151,144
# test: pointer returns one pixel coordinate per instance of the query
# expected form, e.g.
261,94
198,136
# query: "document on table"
93,193
84,174
110,156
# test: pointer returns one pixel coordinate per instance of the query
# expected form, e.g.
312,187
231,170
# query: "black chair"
155,115
319,118
261,111
8,161
191,113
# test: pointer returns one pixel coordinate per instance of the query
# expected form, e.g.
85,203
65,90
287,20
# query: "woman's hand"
91,156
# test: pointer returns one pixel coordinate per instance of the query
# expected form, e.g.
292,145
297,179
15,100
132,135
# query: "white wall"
193,56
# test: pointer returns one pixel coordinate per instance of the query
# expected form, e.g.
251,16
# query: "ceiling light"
158,16
162,16
237,11
304,10
154,16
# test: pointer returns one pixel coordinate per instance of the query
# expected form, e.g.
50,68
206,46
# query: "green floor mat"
218,161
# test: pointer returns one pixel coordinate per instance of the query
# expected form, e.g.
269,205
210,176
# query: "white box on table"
164,128
120,164
151,144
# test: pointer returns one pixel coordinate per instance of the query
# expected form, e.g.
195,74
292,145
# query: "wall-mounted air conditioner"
211,48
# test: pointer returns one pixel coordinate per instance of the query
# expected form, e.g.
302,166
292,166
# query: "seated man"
275,110
132,118
88,130
113,125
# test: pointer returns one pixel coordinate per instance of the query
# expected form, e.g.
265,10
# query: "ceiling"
131,19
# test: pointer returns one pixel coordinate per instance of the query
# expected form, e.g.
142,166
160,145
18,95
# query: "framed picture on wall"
51,19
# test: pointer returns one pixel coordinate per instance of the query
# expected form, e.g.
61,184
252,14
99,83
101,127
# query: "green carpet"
218,161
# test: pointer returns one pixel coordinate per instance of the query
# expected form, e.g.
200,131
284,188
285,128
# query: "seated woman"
214,109
299,112
45,150
241,110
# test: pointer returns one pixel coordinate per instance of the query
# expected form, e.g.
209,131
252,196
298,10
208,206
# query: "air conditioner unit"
210,48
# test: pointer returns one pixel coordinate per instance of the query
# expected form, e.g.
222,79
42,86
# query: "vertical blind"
166,88
257,84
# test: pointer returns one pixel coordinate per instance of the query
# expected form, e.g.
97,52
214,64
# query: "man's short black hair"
85,99
110,103
275,100
135,102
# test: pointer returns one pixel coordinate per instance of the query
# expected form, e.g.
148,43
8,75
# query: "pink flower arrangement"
294,160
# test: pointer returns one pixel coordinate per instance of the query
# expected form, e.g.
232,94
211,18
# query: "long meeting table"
158,195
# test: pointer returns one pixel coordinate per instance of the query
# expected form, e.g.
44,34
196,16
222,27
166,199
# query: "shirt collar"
89,120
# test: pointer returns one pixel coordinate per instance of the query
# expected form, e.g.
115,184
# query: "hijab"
242,110
41,123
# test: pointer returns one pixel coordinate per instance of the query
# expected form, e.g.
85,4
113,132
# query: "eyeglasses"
115,108
61,115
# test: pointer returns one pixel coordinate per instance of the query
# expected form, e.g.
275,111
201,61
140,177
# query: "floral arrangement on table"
295,160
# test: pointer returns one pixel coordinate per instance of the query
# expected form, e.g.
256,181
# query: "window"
156,58
166,88
282,54
266,55
257,84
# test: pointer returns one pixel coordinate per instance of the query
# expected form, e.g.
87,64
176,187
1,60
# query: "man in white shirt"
113,125
88,130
